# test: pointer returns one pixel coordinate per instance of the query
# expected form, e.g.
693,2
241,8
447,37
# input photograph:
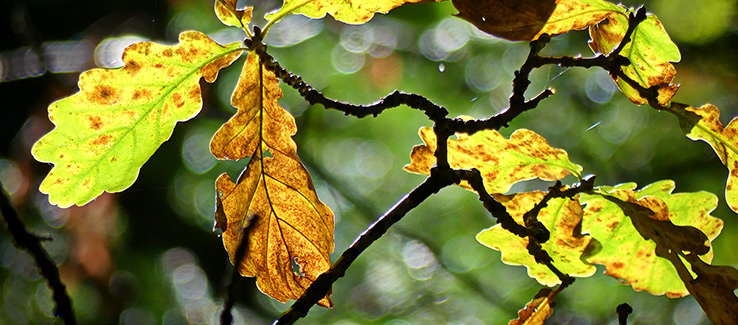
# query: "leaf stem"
281,15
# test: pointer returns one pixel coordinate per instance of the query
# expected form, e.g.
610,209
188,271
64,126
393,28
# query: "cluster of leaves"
650,238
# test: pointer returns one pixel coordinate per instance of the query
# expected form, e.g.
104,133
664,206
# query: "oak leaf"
712,286
347,11
110,128
650,52
704,124
517,20
289,244
563,217
502,162
536,311
646,225
229,14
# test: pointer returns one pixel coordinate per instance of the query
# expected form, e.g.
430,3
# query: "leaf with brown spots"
650,52
562,217
502,162
289,246
536,311
229,14
110,128
347,11
519,20
704,124
638,229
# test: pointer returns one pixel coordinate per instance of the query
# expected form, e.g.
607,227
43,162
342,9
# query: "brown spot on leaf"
177,99
103,95
103,140
133,67
95,122
167,53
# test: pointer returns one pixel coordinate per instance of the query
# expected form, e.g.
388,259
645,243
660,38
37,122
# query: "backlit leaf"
527,20
650,52
347,11
536,311
110,128
562,217
704,124
643,225
230,15
502,162
290,243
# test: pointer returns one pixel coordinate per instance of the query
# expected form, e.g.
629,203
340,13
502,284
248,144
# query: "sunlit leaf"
562,217
290,243
536,311
704,124
650,52
347,11
634,228
502,162
229,14
110,128
528,20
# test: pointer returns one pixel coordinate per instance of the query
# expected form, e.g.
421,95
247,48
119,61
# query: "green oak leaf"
650,52
105,132
637,228
562,216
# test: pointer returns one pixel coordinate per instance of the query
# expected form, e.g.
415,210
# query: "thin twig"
226,317
31,243
434,112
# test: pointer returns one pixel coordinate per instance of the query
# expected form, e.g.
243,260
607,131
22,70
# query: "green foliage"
109,129
649,51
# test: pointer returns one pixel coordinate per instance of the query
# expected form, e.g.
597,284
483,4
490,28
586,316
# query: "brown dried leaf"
290,243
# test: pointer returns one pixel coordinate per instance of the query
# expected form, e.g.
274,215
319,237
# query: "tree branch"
323,283
31,243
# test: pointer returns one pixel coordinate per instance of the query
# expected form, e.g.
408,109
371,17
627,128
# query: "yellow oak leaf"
229,14
650,52
110,128
290,242
704,124
562,216
647,226
502,162
347,11
518,20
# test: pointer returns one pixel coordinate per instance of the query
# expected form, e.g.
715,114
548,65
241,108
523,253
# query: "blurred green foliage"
148,255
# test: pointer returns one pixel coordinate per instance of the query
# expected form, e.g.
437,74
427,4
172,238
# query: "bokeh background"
148,255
